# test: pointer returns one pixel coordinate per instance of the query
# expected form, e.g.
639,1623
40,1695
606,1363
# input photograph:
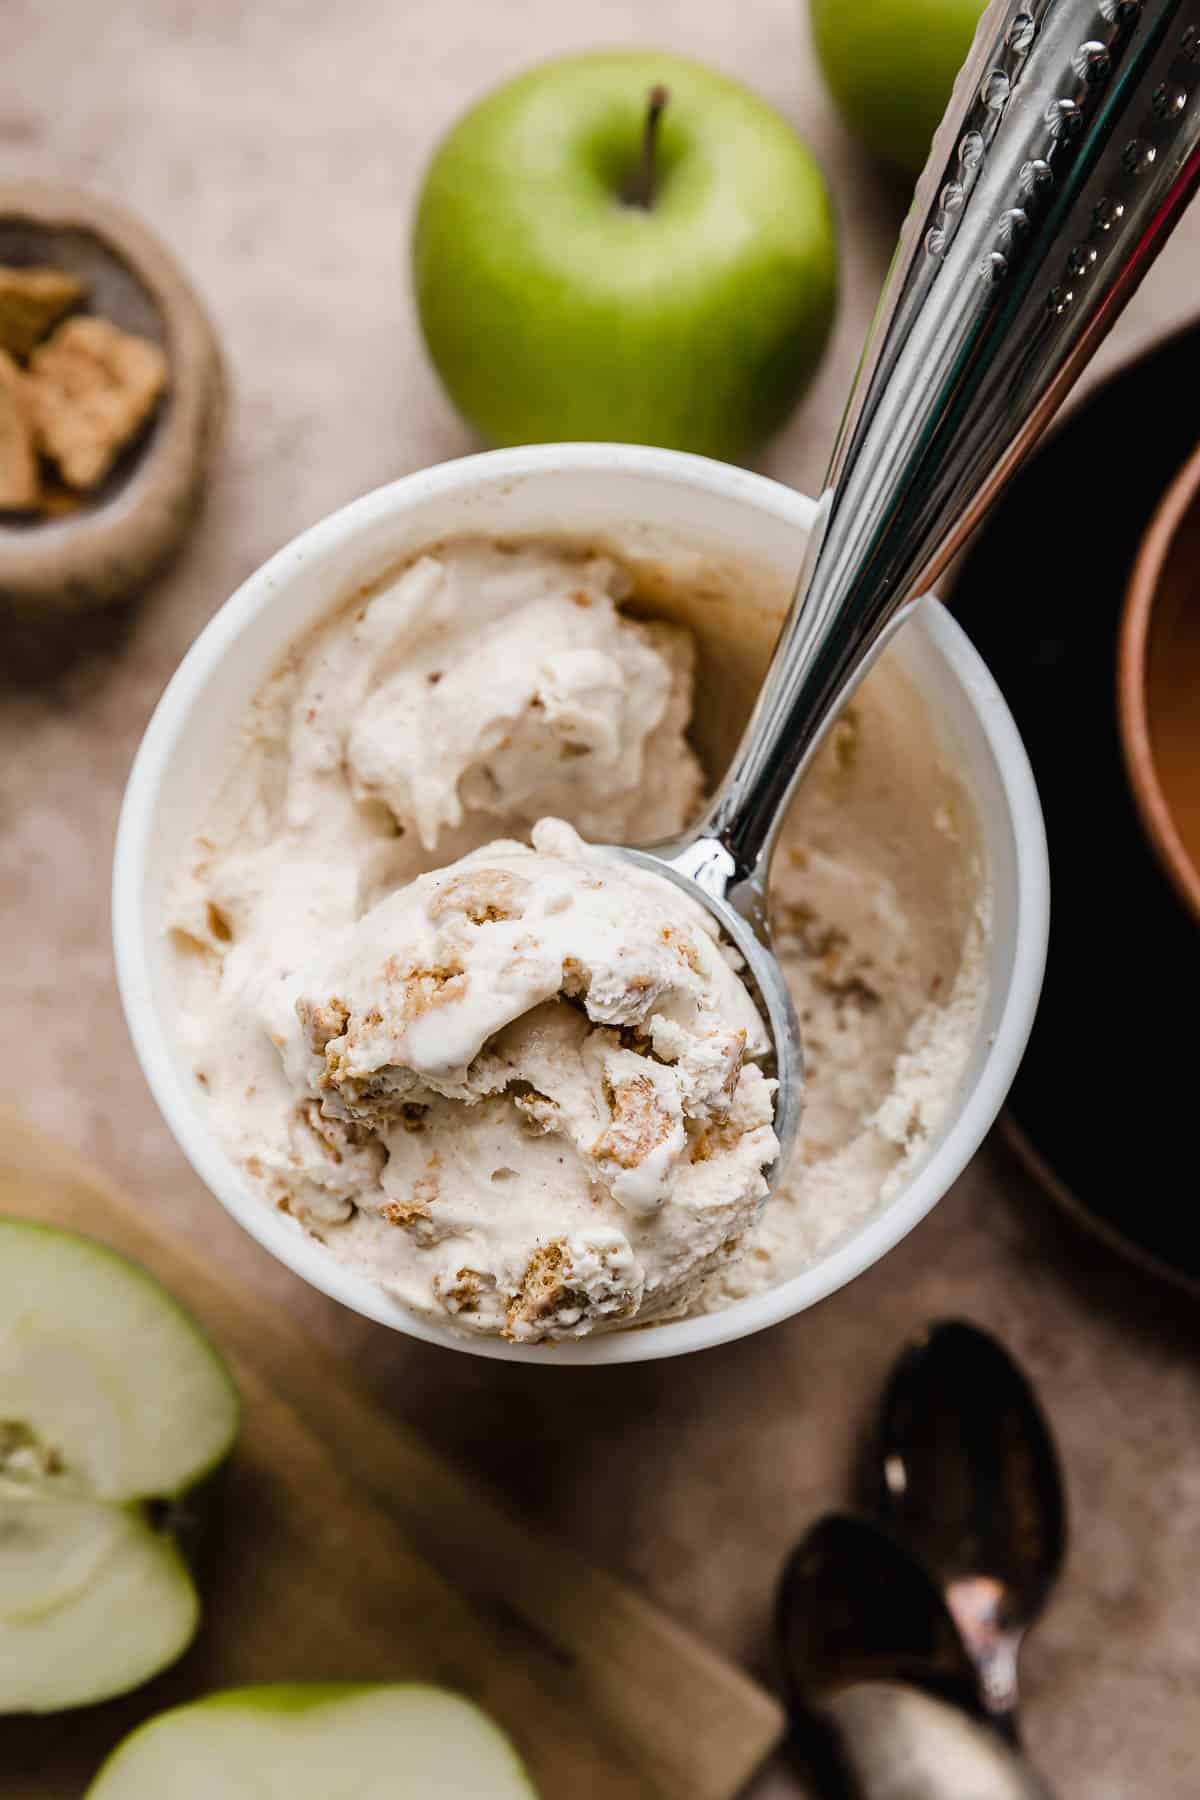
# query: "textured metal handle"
1070,147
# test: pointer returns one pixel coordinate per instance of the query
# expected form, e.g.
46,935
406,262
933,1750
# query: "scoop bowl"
761,974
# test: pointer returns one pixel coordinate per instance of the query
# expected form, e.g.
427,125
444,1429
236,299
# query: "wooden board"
347,1548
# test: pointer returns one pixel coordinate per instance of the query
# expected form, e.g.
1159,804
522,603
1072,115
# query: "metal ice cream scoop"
1069,150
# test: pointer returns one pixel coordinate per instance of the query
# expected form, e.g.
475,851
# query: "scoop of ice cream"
498,682
557,1052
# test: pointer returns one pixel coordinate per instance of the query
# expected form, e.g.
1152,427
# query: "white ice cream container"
637,500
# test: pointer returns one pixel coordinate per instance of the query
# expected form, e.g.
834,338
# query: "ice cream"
555,1054
502,1143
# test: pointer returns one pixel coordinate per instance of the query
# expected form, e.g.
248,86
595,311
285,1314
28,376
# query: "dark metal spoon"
870,1657
853,1606
964,1472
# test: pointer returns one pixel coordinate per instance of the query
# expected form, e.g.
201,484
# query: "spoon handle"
1070,148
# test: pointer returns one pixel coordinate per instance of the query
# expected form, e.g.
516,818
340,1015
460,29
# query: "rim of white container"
134,932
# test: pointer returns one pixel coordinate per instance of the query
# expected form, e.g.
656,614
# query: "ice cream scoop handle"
1069,150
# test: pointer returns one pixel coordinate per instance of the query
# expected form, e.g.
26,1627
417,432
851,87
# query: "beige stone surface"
277,145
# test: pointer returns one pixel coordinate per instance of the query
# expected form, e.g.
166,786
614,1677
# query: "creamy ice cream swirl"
580,1018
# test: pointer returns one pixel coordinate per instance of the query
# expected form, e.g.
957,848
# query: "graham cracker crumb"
544,1290
421,991
716,1137
218,923
18,457
483,896
735,1056
404,1212
639,1123
322,1021
91,387
540,1113
460,1292
684,948
31,301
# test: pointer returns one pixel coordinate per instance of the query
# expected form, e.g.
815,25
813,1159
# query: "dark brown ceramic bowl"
1158,683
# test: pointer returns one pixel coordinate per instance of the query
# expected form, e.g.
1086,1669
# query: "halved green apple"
114,1408
318,1741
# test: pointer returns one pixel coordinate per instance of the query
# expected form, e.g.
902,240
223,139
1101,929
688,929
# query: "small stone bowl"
128,527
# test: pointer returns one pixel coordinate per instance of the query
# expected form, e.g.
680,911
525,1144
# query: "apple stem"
641,188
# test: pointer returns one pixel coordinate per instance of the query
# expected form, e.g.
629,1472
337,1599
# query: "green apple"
317,1741
625,246
891,65
114,1409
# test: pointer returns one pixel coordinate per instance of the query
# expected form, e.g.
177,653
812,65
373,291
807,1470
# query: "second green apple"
575,282
891,65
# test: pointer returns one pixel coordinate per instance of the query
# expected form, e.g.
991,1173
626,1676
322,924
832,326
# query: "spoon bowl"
965,1473
760,973
853,1606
